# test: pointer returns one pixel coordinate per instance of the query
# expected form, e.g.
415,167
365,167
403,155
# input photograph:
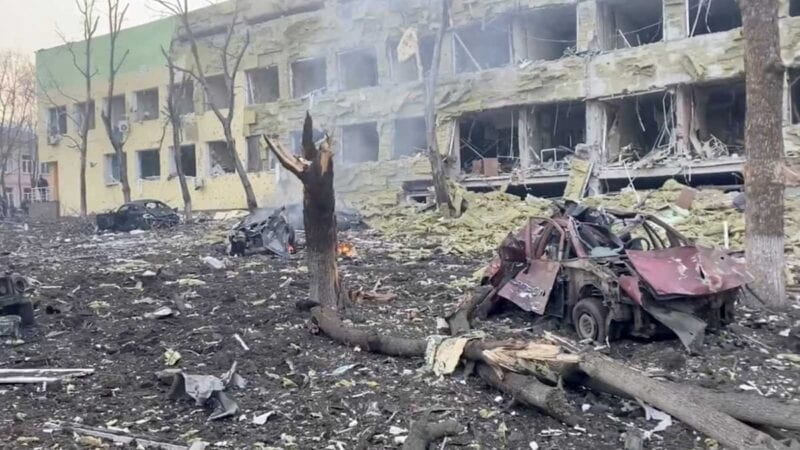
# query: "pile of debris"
486,220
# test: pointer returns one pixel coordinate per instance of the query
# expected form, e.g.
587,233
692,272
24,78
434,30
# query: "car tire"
590,316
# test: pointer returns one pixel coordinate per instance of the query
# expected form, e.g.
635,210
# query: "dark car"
12,297
139,215
611,272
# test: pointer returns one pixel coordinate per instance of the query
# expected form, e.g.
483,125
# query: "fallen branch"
29,380
460,320
40,372
115,436
423,433
704,418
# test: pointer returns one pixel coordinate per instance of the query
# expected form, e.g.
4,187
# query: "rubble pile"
487,219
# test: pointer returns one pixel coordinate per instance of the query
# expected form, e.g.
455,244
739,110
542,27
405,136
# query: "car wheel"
589,317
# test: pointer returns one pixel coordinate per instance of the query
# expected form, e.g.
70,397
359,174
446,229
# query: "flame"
346,250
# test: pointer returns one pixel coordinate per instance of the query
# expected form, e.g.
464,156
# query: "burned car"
13,301
263,229
139,215
608,273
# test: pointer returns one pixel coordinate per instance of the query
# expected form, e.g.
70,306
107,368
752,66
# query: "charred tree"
230,61
438,169
174,115
115,134
315,171
764,169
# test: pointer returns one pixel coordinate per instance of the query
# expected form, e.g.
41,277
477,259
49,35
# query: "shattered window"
112,168
262,85
147,105
149,164
707,17
360,143
221,159
188,161
184,97
482,46
80,110
547,34
358,69
309,75
408,70
57,120
217,95
257,158
409,137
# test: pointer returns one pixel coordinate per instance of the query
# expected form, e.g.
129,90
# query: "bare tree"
438,169
174,118
764,170
115,135
315,171
230,57
17,94
82,62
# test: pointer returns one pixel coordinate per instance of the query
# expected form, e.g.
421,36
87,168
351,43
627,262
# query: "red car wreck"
609,273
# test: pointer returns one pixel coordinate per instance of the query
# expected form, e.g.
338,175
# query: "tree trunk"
319,206
178,152
84,204
704,418
250,195
123,175
438,169
764,186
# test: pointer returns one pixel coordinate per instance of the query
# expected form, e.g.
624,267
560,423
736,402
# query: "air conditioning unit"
53,139
123,126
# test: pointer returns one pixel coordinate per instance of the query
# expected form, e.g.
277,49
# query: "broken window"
262,85
57,120
548,33
188,161
149,164
408,70
183,94
409,137
639,125
489,141
147,105
707,16
112,168
257,155
358,69
217,95
553,131
221,159
118,113
482,46
794,91
794,8
80,110
360,143
631,23
309,75
719,119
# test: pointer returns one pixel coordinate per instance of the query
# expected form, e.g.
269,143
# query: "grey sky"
29,25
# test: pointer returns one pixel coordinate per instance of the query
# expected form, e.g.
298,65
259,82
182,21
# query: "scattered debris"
263,230
209,390
214,263
171,357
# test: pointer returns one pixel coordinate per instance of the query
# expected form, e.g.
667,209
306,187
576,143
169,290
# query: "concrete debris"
214,263
208,390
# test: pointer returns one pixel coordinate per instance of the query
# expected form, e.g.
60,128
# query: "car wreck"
13,301
610,273
138,215
263,229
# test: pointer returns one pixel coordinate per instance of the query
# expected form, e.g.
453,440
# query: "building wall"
285,31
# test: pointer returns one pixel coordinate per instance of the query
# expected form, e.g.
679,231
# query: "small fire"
346,250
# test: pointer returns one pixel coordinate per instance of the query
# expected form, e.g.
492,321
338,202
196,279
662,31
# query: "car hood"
689,271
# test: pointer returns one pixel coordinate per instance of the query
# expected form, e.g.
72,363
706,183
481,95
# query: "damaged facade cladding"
524,86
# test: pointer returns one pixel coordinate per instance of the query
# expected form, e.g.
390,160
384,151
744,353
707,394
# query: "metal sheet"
689,271
530,290
630,285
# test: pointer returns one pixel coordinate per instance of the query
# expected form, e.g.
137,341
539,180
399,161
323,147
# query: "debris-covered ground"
101,305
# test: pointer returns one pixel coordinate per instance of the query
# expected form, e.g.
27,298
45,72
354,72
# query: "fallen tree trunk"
114,436
749,408
423,433
460,320
369,340
704,418
528,390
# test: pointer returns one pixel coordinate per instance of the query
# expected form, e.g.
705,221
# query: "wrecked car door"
530,289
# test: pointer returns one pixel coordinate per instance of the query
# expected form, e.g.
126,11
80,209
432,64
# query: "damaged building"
645,89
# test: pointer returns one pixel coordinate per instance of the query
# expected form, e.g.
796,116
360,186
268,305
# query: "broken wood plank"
115,436
45,371
29,380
